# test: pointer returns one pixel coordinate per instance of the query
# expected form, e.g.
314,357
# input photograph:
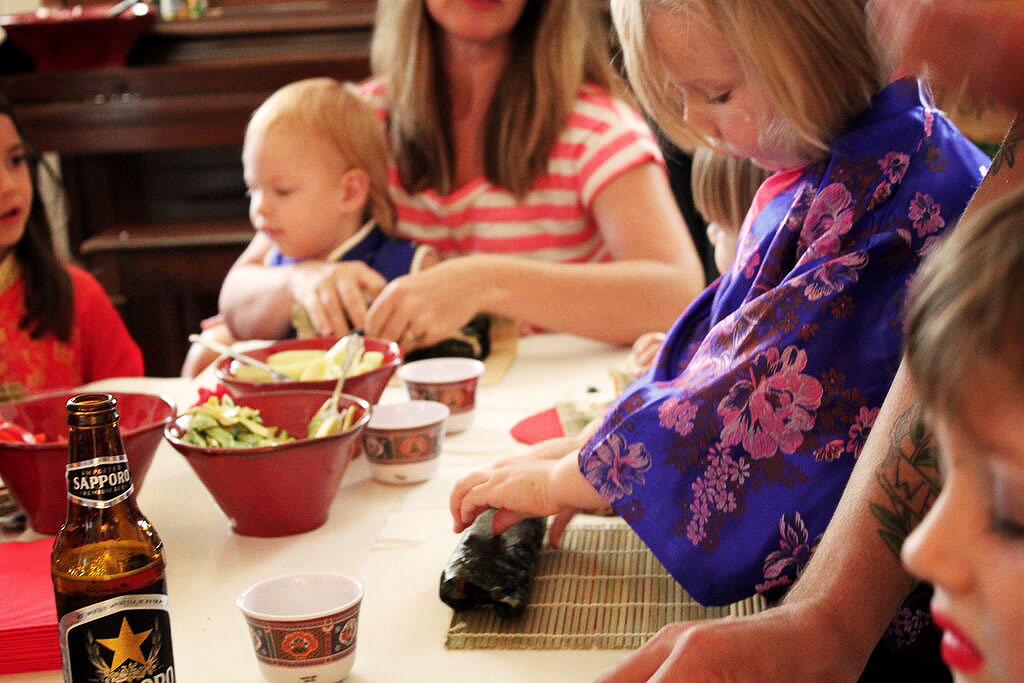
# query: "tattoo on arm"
909,480
1007,154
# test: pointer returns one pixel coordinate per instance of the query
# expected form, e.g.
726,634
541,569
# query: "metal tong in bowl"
353,349
217,347
333,419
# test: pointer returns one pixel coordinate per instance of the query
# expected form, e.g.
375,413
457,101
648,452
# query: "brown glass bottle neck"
86,443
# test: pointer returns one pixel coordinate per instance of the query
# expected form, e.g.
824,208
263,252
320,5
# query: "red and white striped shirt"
554,220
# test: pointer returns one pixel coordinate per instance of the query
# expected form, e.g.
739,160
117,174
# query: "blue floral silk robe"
729,457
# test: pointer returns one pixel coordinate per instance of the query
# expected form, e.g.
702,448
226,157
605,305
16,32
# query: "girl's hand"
522,487
426,307
643,353
335,294
517,488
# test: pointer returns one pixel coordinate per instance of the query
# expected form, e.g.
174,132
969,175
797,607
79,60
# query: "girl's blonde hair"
556,46
966,316
724,187
336,111
815,59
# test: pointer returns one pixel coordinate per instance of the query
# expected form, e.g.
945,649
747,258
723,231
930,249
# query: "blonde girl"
729,457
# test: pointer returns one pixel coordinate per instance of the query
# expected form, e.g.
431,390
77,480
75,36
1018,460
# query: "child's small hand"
644,350
335,295
517,487
537,484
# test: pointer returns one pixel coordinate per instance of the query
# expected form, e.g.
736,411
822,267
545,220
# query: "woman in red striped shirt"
514,156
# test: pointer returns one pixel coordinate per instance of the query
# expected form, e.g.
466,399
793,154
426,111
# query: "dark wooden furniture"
150,152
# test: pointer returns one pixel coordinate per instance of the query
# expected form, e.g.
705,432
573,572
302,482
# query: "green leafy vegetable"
219,423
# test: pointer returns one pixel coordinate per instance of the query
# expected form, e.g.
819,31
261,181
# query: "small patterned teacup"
451,381
303,626
403,441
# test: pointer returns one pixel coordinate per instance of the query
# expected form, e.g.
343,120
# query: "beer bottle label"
100,482
126,639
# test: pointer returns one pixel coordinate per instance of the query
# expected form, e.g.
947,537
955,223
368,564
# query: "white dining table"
394,538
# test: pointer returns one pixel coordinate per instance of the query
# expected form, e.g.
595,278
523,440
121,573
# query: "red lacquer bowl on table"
277,490
368,385
35,472
72,39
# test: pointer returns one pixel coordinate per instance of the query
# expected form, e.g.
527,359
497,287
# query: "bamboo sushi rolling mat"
603,589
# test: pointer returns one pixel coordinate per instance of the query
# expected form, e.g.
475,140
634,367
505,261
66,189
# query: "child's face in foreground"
15,186
295,191
715,97
971,545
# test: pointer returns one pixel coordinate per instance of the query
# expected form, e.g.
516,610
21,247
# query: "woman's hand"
335,295
643,353
426,307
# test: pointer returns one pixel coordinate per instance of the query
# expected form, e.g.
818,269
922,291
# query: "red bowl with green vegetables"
367,385
281,489
35,472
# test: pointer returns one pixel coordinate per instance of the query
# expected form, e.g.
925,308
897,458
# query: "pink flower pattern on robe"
828,219
834,276
677,415
618,467
770,409
925,213
782,566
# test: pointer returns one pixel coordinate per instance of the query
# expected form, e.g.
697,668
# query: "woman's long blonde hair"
556,46
339,113
816,59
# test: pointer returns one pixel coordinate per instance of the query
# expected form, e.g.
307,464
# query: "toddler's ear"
355,189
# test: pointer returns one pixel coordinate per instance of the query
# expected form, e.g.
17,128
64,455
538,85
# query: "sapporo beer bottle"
107,563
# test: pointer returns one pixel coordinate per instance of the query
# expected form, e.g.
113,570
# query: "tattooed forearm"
1006,157
909,480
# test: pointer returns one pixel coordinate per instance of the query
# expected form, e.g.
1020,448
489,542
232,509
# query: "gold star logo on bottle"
126,645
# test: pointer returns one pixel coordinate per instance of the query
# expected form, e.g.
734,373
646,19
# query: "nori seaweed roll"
486,570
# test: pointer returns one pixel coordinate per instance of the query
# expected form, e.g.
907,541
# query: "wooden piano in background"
150,152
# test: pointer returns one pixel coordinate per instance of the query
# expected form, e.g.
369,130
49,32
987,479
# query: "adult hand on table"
335,295
732,649
428,306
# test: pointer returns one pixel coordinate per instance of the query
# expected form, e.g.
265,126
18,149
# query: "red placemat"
540,427
567,418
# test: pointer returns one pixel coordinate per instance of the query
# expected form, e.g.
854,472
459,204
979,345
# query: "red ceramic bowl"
277,490
67,39
369,385
35,472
